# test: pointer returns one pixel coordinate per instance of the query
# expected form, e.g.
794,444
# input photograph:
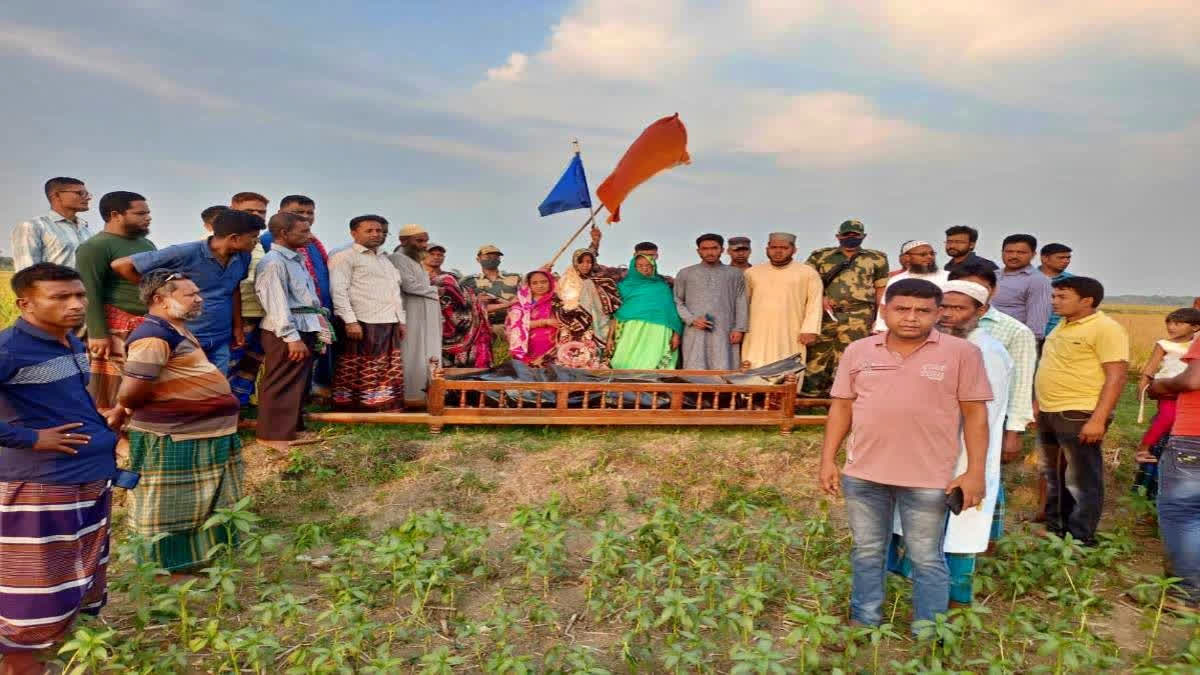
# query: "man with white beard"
969,532
921,264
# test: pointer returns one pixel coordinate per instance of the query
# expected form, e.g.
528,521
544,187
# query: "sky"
1076,121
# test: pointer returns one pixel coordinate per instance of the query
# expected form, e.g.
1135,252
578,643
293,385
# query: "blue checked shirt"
1018,339
48,238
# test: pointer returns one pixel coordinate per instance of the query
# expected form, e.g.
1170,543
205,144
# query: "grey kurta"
720,291
423,325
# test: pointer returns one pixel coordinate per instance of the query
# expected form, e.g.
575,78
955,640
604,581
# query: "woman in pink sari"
531,325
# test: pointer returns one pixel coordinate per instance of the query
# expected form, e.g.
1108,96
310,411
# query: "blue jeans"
218,355
1179,511
923,515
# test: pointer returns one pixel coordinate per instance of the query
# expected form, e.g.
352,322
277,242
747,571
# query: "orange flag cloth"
661,146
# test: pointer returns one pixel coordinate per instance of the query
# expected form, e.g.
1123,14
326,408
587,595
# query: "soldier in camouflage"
854,280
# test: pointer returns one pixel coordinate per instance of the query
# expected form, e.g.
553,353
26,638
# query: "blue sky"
1075,121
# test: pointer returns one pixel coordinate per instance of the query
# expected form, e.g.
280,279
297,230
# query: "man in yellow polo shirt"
1083,369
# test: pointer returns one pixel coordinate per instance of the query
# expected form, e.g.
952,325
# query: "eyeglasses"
82,193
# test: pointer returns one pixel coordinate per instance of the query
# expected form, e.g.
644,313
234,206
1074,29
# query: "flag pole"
591,220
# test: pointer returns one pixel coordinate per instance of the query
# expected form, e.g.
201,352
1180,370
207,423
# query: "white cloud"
622,40
512,70
67,51
829,128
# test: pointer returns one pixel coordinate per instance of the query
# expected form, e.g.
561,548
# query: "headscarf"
606,288
647,298
524,310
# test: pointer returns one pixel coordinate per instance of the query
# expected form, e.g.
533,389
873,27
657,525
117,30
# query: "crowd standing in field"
935,374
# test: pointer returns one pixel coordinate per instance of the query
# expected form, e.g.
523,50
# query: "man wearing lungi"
56,470
294,328
369,373
114,307
183,434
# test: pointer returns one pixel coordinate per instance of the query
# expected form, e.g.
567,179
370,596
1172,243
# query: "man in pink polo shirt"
904,396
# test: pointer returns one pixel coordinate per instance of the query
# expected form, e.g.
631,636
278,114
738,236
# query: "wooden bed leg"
435,428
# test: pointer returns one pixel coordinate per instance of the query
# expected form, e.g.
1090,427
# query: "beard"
961,330
414,252
916,268
179,312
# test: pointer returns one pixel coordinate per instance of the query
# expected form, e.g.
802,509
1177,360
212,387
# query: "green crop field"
8,305
594,550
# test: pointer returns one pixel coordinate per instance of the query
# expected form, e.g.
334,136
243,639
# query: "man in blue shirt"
57,462
1055,260
217,265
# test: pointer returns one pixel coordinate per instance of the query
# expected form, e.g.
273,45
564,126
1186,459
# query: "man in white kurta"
967,533
422,311
785,305
922,264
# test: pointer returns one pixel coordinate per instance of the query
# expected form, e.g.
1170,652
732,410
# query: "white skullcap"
968,288
910,245
411,229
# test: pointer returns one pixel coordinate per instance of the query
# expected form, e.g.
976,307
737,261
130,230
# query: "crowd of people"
260,312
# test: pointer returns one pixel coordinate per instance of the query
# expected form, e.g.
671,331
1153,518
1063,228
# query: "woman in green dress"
647,325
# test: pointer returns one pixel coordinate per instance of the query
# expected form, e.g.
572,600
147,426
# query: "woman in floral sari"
584,313
466,335
531,325
648,326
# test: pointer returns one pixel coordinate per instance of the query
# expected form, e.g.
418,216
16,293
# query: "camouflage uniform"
852,294
503,288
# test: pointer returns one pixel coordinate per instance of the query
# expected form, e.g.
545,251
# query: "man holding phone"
906,394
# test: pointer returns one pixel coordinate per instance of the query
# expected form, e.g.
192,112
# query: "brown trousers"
284,389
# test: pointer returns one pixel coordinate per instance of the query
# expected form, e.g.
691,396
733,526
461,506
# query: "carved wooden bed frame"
456,401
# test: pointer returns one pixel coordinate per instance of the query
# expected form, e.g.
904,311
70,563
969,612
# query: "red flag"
661,146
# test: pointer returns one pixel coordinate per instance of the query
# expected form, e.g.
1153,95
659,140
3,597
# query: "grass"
8,302
594,550
1145,324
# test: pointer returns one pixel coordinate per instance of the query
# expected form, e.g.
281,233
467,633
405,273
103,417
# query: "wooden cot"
465,401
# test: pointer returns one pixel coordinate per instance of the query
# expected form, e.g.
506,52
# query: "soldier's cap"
739,243
488,248
431,245
852,227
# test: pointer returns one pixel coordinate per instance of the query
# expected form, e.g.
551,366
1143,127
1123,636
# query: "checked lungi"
106,372
183,484
53,559
369,373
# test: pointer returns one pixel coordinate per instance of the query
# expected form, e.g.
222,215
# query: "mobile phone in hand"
954,501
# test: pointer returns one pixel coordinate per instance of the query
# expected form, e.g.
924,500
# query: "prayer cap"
968,288
910,245
411,229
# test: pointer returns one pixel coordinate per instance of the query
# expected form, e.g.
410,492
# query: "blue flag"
571,191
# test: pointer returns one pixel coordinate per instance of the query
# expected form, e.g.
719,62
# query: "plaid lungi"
183,483
106,373
960,565
998,515
53,559
370,372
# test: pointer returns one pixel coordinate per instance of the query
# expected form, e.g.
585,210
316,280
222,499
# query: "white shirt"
48,238
365,286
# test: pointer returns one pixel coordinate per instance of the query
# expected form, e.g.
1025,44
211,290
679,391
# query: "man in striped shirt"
57,463
54,236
